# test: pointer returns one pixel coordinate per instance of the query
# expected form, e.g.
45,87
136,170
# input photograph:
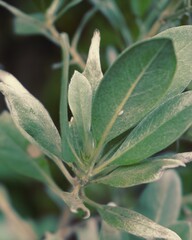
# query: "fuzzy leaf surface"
145,172
156,131
161,200
135,223
30,116
182,41
92,69
131,87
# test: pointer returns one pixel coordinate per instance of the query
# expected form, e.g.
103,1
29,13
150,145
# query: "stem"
63,169
84,21
89,201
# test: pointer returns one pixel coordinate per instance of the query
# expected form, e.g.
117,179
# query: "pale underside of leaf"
92,69
30,116
135,223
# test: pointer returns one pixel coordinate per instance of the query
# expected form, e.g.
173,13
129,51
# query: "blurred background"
35,61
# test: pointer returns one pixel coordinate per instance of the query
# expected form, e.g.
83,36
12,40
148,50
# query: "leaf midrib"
149,134
120,107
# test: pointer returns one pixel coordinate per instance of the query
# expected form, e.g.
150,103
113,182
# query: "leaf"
183,229
128,90
140,7
92,69
13,152
110,9
145,172
181,37
135,223
19,228
23,27
161,201
80,98
156,131
30,116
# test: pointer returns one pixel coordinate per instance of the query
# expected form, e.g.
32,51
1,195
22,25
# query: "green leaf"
135,223
131,87
145,172
92,69
30,116
161,201
13,152
23,27
183,229
140,7
156,131
181,37
80,99
110,9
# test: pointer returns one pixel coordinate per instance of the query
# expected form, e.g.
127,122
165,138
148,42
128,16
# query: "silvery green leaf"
182,41
80,99
92,69
131,87
144,172
156,131
135,223
161,200
30,116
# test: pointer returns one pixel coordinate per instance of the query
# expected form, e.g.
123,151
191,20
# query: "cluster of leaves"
120,120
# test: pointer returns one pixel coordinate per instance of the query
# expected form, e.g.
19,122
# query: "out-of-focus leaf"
145,172
30,116
111,11
18,228
156,131
161,201
140,7
182,41
92,69
183,229
23,27
14,153
128,90
135,223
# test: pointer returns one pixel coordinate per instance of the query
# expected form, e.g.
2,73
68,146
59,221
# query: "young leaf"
156,131
145,172
181,37
30,116
131,87
161,201
183,229
92,69
135,223
80,98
